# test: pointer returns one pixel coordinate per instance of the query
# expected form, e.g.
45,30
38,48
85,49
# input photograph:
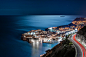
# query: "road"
80,50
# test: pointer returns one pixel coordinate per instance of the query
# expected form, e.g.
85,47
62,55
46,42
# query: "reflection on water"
11,28
36,45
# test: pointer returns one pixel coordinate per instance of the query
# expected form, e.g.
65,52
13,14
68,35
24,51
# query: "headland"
54,34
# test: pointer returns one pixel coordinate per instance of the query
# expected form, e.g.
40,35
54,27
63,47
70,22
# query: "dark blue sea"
12,26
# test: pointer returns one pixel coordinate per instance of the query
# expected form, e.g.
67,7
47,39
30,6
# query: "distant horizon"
42,7
43,14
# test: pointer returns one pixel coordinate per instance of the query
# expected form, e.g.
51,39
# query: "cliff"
64,49
79,19
81,35
82,31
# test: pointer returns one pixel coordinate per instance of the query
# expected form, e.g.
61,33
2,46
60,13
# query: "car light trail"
82,47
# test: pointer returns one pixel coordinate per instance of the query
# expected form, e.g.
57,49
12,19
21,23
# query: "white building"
51,29
71,32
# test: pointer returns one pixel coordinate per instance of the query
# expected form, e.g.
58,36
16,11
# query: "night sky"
31,7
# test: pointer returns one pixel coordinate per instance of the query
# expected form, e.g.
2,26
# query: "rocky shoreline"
63,49
81,35
54,33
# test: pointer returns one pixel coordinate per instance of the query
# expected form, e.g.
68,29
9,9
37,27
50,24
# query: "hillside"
82,31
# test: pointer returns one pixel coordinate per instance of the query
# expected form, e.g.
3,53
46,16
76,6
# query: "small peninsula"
53,34
60,34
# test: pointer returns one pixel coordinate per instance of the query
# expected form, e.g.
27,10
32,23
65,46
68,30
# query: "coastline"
49,51
58,50
54,33
63,26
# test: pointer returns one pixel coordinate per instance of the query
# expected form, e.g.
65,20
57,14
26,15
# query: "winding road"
80,50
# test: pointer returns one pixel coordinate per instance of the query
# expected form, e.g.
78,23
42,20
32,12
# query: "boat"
62,16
